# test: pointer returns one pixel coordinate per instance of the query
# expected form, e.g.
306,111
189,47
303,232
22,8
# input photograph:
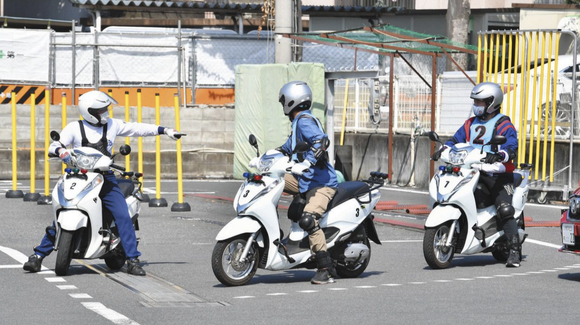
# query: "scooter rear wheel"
117,259
437,255
226,264
64,253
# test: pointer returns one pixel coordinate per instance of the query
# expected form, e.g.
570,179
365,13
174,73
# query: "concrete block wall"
207,150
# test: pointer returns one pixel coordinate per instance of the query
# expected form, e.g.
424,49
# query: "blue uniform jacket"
505,128
319,174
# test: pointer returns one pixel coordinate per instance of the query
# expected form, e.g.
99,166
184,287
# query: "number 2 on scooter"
72,186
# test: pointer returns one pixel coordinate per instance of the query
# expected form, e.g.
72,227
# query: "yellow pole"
14,145
63,119
540,108
533,107
32,143
46,142
503,58
526,110
127,141
111,111
479,55
484,59
552,149
140,139
546,108
496,61
491,57
344,113
157,151
178,145
513,76
522,138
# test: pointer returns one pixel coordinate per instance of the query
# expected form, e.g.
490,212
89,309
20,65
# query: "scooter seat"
126,186
346,191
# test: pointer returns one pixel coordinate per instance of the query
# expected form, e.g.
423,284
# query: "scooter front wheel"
226,264
64,253
437,255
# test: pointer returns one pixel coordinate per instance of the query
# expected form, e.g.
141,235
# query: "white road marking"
520,274
13,266
537,242
548,270
391,284
308,291
337,289
244,297
417,282
19,257
536,272
277,294
109,314
52,280
365,287
503,275
442,281
464,279
80,295
67,287
484,277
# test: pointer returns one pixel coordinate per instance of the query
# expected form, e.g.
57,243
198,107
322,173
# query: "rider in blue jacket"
313,178
98,131
497,167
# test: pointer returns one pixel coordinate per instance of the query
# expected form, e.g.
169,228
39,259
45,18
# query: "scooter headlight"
457,157
266,162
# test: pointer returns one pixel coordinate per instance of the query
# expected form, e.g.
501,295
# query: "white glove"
494,168
299,168
254,162
173,134
66,156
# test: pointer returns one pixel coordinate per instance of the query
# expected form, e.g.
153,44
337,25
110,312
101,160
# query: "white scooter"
464,220
254,239
84,228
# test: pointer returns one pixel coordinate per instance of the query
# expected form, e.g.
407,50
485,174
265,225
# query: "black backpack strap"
84,140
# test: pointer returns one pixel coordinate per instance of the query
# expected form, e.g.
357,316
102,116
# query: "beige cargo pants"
316,204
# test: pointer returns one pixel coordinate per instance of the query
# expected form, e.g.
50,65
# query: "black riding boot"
515,256
326,272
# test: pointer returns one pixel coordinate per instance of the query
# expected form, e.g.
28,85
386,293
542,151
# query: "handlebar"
117,167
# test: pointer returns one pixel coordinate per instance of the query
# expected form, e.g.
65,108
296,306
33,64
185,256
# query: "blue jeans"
114,201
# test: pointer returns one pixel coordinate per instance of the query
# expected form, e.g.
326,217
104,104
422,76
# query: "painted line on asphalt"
109,314
12,266
537,242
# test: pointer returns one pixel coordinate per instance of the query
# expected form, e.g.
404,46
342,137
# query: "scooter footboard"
72,220
441,214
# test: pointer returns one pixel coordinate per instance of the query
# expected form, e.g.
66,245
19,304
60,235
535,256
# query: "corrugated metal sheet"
228,6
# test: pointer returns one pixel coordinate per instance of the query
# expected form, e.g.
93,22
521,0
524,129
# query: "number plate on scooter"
568,234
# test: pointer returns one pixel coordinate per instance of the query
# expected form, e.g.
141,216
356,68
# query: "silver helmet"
94,105
295,94
489,92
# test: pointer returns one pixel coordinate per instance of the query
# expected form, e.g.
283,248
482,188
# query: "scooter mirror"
125,149
54,135
433,136
253,141
301,147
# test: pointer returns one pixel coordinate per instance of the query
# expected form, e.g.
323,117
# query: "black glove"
437,153
491,158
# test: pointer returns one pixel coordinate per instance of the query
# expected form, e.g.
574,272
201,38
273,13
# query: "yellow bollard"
127,141
46,198
158,201
179,206
111,114
14,193
32,195
479,55
140,142
342,129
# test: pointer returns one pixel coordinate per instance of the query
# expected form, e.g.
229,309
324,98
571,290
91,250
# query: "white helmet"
295,94
491,94
94,105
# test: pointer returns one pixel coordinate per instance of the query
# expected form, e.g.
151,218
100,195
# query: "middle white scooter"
463,219
254,239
